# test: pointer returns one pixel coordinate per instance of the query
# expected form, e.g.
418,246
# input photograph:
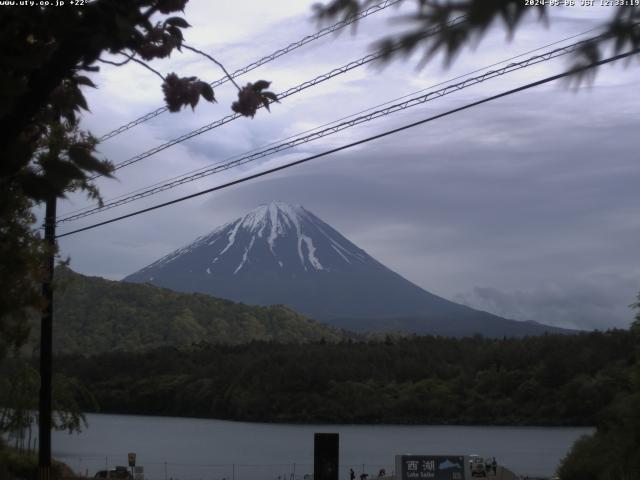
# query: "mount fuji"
283,254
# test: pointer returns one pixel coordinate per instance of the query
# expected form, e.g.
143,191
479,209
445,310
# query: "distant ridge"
94,315
284,254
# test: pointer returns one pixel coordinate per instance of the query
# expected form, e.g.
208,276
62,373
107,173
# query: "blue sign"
432,467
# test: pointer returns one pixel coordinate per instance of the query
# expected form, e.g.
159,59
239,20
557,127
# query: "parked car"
118,473
477,466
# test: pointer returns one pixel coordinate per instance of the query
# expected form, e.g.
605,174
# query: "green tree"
19,384
65,156
44,54
613,451
185,330
21,261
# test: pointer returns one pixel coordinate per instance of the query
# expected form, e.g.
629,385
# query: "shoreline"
325,424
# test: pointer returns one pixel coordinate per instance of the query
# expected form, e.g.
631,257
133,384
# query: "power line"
91,207
412,102
287,93
291,91
268,58
278,53
286,145
359,142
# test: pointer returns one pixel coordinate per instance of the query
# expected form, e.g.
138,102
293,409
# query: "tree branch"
117,64
132,57
214,61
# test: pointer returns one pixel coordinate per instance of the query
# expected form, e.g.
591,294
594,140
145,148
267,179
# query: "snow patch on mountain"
245,255
232,237
311,255
276,227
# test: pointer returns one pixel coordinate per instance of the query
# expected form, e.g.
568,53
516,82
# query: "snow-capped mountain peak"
283,254
290,235
276,219
276,215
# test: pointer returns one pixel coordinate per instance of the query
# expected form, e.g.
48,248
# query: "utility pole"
46,344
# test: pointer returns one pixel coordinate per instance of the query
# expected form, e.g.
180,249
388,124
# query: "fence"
165,470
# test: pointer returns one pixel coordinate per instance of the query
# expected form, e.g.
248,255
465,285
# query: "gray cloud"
602,302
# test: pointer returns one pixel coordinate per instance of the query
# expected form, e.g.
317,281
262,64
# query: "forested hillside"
548,380
93,315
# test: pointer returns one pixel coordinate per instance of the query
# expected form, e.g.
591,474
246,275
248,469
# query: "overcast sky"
526,206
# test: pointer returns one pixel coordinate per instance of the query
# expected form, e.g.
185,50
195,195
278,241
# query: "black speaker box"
326,448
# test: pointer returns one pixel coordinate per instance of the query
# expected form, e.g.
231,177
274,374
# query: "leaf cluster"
185,91
64,159
21,270
430,30
20,383
252,96
161,39
44,53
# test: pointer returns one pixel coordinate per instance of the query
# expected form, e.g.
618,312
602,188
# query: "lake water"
199,449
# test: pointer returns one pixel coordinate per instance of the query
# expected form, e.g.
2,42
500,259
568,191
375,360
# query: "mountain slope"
94,315
284,254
